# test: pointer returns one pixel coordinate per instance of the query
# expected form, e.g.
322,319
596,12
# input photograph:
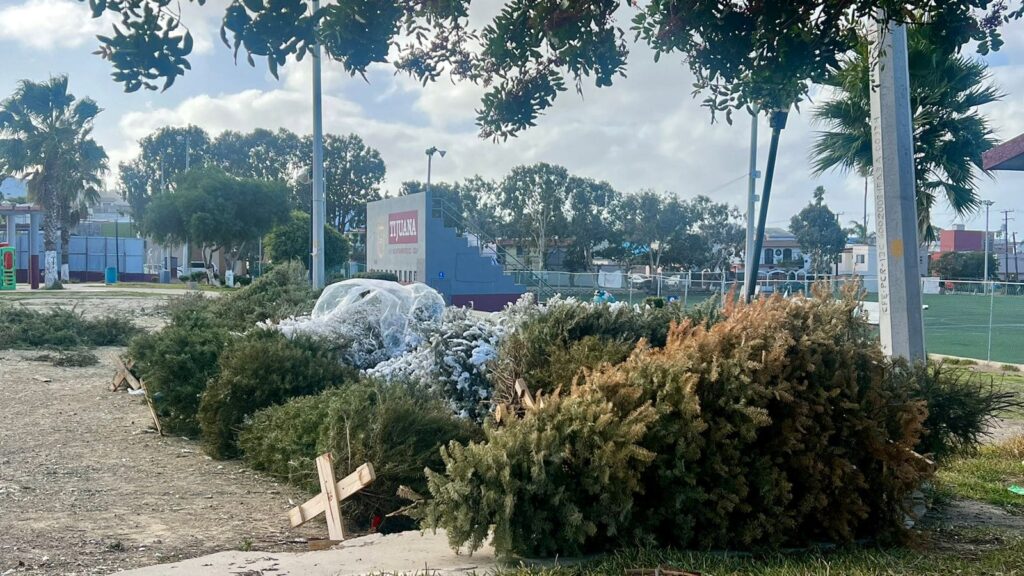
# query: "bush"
178,361
561,480
654,302
782,424
579,335
452,363
398,428
291,241
60,328
261,369
282,292
962,407
373,275
73,358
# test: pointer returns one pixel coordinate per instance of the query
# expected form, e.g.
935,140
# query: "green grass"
957,324
986,476
1006,558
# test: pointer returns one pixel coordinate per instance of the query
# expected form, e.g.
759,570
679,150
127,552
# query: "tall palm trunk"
65,241
50,225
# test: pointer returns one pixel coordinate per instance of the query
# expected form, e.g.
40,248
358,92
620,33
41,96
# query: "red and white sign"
402,227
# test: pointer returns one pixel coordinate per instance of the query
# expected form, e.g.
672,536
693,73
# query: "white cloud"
50,24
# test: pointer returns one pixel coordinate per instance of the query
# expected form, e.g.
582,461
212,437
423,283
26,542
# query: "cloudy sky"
646,131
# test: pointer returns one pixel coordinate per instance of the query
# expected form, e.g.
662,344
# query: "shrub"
177,362
60,328
261,369
282,292
375,275
291,241
453,363
108,330
73,358
561,480
962,407
398,428
1010,368
580,335
779,425
654,302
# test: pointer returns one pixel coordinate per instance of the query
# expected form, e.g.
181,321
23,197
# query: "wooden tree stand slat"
332,492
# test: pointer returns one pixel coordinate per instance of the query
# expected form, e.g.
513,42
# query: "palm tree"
79,187
45,138
950,134
860,231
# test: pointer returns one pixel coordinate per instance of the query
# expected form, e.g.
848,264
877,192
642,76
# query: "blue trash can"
165,276
111,276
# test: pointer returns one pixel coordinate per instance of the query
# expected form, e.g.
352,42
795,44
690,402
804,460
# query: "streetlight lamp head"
442,152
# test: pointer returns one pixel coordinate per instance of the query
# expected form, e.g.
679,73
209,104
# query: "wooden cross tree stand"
125,379
332,492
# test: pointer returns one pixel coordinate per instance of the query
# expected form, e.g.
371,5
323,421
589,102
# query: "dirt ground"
86,486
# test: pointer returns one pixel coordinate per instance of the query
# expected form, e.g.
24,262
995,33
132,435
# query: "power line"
724,185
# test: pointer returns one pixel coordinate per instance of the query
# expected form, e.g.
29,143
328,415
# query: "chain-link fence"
983,320
961,318
689,288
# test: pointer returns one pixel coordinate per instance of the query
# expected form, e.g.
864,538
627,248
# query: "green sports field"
957,324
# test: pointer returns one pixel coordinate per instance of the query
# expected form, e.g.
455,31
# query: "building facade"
404,236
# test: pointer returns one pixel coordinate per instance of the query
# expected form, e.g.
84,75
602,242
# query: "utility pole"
988,204
1016,261
901,322
748,255
319,203
1006,243
187,256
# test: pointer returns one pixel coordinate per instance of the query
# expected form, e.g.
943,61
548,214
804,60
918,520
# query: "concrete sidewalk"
405,553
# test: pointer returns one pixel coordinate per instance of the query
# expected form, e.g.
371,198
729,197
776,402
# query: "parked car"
673,282
638,281
193,267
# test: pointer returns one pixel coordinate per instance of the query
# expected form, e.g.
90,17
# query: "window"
769,256
787,254
860,259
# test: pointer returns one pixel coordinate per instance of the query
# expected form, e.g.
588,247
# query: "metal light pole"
984,277
319,203
187,256
777,122
749,256
430,159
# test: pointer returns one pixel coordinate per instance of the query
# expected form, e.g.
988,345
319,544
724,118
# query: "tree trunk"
50,274
65,241
50,229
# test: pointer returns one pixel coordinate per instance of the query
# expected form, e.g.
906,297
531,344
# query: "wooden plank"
119,377
329,488
119,381
347,486
152,409
315,545
132,380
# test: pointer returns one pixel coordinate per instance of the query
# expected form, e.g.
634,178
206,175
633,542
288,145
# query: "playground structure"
7,278
11,212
